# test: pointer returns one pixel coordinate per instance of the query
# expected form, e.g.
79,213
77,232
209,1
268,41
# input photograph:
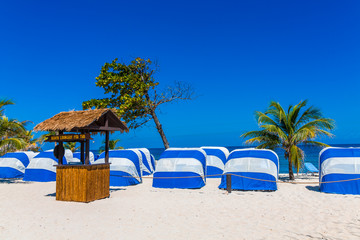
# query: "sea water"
311,154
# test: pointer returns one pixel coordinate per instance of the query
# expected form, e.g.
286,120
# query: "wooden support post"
61,148
87,155
82,152
60,159
107,147
228,183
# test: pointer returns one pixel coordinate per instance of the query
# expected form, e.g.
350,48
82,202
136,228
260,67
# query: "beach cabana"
125,167
181,168
12,165
82,182
260,167
337,167
42,168
215,160
146,167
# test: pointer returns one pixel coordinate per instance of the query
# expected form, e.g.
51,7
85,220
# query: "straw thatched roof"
88,120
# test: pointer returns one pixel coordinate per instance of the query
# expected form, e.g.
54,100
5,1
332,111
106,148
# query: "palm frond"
252,134
274,129
265,138
262,118
307,115
315,143
321,123
277,110
267,146
294,113
3,103
16,143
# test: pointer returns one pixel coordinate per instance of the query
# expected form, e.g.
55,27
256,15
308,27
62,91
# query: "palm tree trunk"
291,173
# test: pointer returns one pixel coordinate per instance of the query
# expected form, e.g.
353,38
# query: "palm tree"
71,146
289,129
12,134
43,137
32,143
112,145
3,103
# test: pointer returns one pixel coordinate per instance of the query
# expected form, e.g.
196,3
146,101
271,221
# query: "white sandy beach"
30,211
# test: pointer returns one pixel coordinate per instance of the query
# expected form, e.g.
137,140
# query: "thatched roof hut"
96,120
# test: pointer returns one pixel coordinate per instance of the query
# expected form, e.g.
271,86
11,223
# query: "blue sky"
238,55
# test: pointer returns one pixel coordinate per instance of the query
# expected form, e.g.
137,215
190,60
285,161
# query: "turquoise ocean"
311,154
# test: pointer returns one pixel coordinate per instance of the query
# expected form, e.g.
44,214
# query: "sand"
30,211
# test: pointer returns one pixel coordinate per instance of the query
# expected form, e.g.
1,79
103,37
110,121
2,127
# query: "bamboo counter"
82,183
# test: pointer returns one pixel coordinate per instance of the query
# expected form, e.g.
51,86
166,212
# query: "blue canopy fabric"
339,164
215,161
42,167
12,165
153,162
125,167
147,168
259,167
181,168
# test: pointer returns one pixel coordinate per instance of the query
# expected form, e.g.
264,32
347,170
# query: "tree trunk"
160,130
291,173
157,123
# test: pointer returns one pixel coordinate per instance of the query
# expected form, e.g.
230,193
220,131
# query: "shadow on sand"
13,181
313,188
50,195
111,190
116,189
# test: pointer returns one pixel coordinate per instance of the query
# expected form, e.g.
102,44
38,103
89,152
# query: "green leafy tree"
289,129
112,145
132,90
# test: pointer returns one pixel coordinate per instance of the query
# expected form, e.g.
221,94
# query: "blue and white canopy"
77,157
146,166
125,167
42,167
153,162
337,164
252,163
181,168
215,160
12,165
